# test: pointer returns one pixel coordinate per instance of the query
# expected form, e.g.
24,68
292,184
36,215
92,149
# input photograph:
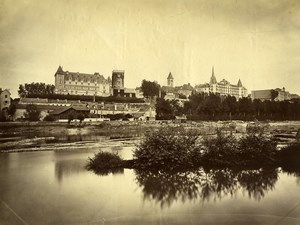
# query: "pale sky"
257,41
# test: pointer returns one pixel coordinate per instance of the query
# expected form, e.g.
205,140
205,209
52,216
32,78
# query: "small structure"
64,113
180,119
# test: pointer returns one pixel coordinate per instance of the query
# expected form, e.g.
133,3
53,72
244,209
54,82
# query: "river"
53,187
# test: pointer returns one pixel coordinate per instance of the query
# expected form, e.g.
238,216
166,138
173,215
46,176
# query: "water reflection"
65,168
166,187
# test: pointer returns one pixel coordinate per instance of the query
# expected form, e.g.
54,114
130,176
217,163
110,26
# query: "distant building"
170,80
75,83
281,94
223,87
118,88
4,99
185,90
118,82
175,92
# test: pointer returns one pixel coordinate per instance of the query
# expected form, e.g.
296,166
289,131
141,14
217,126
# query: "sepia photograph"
149,112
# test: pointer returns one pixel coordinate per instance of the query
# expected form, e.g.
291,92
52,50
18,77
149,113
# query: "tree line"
203,106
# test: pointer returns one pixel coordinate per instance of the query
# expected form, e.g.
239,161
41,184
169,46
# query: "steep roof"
240,83
63,109
59,70
170,76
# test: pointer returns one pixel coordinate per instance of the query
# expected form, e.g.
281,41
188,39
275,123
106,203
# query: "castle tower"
59,80
118,82
170,80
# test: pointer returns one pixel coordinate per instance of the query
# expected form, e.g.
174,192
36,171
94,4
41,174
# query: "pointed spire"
239,83
59,70
213,79
170,76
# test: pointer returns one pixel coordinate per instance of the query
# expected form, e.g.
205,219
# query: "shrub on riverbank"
104,161
220,150
168,147
253,149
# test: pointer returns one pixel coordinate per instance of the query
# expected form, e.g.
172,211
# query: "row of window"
85,78
86,88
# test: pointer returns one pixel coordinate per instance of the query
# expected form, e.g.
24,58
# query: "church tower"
170,80
213,79
213,82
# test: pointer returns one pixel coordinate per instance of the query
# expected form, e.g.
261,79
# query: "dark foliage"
203,106
32,113
35,89
150,89
80,117
253,149
168,148
164,110
49,118
220,150
105,162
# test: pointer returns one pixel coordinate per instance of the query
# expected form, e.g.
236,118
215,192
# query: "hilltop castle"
75,83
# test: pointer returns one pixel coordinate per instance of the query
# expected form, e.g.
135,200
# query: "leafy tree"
49,118
150,88
245,105
80,117
176,108
29,90
164,109
212,104
32,113
274,94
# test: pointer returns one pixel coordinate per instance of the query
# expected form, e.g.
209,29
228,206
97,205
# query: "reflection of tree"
294,172
68,167
257,182
218,183
105,172
166,187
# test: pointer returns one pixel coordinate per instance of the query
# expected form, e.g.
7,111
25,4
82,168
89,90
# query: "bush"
80,117
49,118
32,113
104,161
220,150
257,150
254,149
169,148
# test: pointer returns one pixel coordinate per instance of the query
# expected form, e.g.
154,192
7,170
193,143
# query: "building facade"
4,99
223,87
279,94
75,83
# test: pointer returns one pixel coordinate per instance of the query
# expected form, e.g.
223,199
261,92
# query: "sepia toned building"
75,83
279,94
223,87
4,99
